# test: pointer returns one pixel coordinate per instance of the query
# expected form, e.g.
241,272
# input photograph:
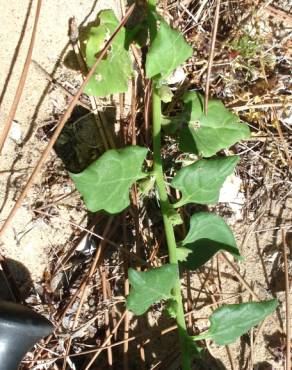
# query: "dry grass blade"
106,341
131,254
211,56
56,83
283,16
105,346
260,106
61,124
22,79
85,283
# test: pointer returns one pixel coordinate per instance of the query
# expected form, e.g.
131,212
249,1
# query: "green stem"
169,232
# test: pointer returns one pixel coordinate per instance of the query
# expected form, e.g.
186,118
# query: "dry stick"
126,290
106,315
287,295
260,106
278,125
216,304
123,130
84,286
131,254
133,111
280,14
106,341
22,80
254,339
56,83
84,281
252,343
62,314
110,295
130,339
280,132
189,301
123,134
104,346
211,56
147,109
135,196
247,286
62,261
61,125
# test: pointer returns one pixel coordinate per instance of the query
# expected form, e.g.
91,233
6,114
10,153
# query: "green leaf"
207,235
201,182
174,217
182,253
106,182
230,322
146,185
171,308
195,352
218,130
165,93
150,287
167,51
112,74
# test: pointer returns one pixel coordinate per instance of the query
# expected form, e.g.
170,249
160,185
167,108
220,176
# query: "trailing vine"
105,184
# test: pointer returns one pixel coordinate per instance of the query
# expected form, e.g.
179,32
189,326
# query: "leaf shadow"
275,344
263,366
80,143
15,281
202,251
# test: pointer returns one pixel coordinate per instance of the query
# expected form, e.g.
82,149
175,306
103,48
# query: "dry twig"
211,56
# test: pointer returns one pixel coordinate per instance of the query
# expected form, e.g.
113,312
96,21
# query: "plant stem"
169,232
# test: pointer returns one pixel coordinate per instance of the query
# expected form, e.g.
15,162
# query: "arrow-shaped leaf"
201,182
106,182
150,287
112,74
167,51
217,130
207,235
230,322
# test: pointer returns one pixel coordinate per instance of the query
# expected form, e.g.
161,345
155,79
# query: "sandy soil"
29,241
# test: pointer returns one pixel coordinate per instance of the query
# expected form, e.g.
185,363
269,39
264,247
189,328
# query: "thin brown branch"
106,341
22,80
126,292
56,83
217,304
147,112
261,106
211,56
104,346
131,254
106,315
280,132
84,285
60,126
278,14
